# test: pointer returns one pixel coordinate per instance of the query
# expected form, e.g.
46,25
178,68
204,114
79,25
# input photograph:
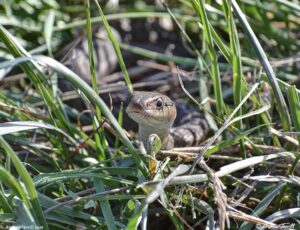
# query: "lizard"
155,114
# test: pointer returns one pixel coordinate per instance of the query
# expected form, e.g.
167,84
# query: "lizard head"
151,109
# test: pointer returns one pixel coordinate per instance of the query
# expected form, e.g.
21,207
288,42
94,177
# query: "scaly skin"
155,114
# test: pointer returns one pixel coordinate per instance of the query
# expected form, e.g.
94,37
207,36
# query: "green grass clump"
56,175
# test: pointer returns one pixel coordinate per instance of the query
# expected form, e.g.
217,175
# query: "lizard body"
155,114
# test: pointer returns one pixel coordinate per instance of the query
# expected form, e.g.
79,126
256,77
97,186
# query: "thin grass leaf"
80,84
119,16
231,141
47,178
136,217
135,15
24,217
205,208
34,202
189,40
236,62
5,203
263,205
48,30
62,219
291,5
7,7
175,220
236,53
294,103
105,206
152,196
38,79
217,39
159,56
116,47
282,107
225,170
100,146
12,183
18,126
203,94
66,176
200,10
58,226
118,170
283,214
120,120
29,25
283,85
221,45
196,102
227,123
7,217
144,219
48,202
230,168
274,179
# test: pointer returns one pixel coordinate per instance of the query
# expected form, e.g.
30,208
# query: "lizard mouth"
135,108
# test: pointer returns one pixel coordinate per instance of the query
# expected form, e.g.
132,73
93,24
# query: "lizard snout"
134,107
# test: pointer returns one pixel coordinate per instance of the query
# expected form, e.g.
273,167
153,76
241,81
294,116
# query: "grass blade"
105,206
35,204
189,40
4,202
14,185
97,117
24,217
80,84
200,9
294,103
116,47
282,107
48,29
263,204
282,214
230,168
38,79
226,124
47,202
18,126
236,64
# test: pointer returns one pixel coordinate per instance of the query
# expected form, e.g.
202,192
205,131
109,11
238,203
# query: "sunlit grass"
60,176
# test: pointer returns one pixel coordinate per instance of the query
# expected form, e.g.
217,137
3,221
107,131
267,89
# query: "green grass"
55,175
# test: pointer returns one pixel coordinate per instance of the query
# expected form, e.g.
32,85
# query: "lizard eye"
159,103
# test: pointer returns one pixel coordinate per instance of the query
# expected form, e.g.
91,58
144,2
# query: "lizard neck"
162,132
